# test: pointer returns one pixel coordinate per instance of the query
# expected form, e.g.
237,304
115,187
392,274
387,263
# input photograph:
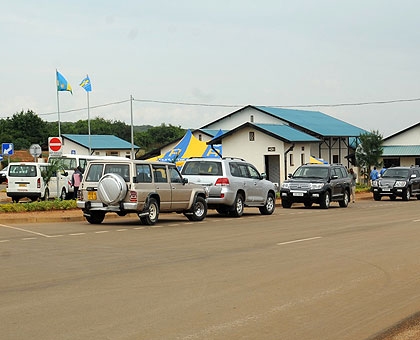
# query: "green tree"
369,151
158,136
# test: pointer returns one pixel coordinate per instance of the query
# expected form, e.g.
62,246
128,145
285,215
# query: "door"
247,182
257,190
416,182
181,193
272,168
163,188
336,184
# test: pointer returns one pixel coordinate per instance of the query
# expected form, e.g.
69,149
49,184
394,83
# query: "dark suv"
317,183
399,181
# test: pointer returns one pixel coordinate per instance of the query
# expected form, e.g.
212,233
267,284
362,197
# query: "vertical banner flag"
86,84
62,84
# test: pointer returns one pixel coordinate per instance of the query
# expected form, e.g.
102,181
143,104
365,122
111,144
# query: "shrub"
39,206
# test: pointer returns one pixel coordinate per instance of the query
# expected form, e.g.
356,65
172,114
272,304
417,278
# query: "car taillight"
133,196
38,183
222,182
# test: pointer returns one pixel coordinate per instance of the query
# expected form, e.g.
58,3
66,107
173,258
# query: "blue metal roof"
211,132
287,132
401,150
101,142
315,121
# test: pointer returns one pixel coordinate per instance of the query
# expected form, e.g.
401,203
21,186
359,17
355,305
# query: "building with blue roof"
279,140
101,145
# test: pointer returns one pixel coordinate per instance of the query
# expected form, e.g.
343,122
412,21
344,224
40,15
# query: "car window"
202,168
253,172
175,175
395,173
234,170
67,163
22,171
120,169
143,173
159,174
417,173
311,172
82,164
95,173
344,172
337,172
243,168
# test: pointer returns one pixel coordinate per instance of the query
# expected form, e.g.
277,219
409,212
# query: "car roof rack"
237,158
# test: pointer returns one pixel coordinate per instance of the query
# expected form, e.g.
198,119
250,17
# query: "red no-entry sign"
54,146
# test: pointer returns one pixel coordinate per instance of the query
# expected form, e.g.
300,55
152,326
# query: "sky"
240,52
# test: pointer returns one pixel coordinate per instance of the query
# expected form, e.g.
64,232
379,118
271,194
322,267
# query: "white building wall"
409,137
334,151
204,137
233,121
69,145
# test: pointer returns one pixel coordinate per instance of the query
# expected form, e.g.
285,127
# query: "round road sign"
35,150
55,144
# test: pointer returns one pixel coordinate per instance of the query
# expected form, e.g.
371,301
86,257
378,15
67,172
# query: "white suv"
232,184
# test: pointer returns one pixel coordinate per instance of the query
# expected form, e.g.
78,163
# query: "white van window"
95,173
119,169
22,171
68,163
82,164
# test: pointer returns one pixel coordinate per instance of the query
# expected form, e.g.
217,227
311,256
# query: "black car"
317,183
397,182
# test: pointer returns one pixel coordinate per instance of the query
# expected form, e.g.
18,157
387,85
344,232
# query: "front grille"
300,186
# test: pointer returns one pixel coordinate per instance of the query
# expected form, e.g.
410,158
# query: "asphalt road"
298,274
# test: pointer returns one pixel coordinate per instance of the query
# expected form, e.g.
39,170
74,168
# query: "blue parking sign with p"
7,149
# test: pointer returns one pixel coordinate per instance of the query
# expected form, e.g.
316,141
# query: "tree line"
26,128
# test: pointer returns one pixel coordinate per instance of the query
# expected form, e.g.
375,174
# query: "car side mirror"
413,176
334,177
263,176
184,180
65,173
289,176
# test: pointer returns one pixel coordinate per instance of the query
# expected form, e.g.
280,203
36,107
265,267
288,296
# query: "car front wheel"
345,202
407,195
326,201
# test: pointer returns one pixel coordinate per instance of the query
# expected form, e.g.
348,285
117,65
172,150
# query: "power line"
184,103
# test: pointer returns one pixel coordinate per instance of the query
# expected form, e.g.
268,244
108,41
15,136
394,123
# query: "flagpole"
58,107
132,129
90,147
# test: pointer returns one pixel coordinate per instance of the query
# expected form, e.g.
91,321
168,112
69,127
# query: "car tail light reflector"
38,183
133,196
222,182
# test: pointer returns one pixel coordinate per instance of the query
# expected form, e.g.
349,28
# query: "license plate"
92,195
298,194
22,185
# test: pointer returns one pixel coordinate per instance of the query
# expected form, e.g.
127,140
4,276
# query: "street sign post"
55,146
35,150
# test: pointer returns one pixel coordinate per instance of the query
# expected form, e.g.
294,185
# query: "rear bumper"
23,194
111,208
227,200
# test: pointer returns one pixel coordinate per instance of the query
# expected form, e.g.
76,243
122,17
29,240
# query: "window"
112,153
200,138
251,136
335,159
159,174
337,172
143,173
82,164
97,153
120,169
291,159
302,158
202,168
243,169
238,170
253,172
251,118
22,171
344,172
67,163
95,173
390,162
417,161
175,175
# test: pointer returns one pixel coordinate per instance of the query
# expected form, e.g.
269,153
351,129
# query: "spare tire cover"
111,189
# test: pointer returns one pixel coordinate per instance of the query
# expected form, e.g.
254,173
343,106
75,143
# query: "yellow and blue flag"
62,84
86,84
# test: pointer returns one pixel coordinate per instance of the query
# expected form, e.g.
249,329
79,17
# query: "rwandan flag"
86,84
62,84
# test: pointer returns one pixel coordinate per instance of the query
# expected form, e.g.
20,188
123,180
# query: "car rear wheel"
269,205
238,206
345,202
15,199
63,194
418,197
326,201
96,217
153,215
199,210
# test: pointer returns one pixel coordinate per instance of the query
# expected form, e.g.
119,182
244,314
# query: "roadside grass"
38,206
362,187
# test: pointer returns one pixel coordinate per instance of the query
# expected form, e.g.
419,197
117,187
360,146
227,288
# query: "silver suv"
232,184
141,187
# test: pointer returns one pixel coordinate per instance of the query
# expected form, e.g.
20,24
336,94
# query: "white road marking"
2,241
56,236
29,238
77,234
301,240
416,221
157,226
121,230
24,230
173,225
139,228
102,231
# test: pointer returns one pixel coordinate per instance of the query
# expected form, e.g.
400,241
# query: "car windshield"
22,171
202,168
67,163
395,173
311,172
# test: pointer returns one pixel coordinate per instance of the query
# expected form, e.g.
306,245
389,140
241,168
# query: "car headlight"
316,186
375,183
400,184
285,185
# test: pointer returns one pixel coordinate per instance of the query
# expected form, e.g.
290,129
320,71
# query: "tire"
269,206
286,204
238,206
63,194
418,197
153,215
199,210
407,194
345,202
15,199
96,217
393,197
46,195
326,200
223,211
308,204
378,197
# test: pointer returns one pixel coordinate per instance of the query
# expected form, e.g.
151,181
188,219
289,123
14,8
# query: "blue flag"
86,84
62,84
